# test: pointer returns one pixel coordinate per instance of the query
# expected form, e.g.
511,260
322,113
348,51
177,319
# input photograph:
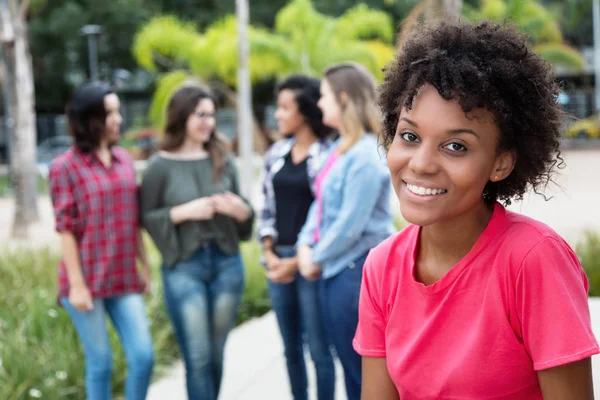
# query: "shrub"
589,255
40,354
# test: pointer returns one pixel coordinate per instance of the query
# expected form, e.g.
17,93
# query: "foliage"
576,20
588,252
165,87
60,53
538,22
36,332
303,40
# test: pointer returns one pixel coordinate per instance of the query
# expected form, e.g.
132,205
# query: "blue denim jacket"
356,212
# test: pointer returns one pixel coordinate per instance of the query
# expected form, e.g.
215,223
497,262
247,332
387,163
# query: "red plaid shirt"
99,206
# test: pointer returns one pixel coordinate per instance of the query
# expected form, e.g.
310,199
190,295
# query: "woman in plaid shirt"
93,190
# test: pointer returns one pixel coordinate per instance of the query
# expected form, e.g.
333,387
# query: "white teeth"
424,191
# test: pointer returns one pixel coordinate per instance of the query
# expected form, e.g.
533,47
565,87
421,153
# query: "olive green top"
170,182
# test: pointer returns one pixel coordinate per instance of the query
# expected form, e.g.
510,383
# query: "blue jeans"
202,295
339,302
297,308
128,316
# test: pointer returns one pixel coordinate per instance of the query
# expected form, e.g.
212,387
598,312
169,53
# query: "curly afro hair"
491,66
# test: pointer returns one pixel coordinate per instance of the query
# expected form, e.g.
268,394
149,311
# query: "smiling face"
441,159
201,123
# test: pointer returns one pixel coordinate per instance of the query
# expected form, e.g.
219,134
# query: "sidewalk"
255,367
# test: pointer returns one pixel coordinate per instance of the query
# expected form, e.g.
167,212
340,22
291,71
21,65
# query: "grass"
40,354
5,186
588,252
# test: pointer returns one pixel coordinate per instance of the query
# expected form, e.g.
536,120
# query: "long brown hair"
359,114
182,105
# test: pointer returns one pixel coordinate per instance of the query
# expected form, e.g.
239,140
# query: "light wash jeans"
128,315
202,295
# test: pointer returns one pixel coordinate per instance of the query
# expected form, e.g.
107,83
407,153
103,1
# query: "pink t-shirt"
515,304
333,157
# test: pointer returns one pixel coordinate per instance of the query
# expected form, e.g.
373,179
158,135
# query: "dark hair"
86,114
307,92
491,66
182,105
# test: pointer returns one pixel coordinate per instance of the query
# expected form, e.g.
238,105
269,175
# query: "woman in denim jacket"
290,168
352,212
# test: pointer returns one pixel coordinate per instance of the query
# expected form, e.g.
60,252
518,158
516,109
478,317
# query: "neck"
103,148
103,153
453,239
305,137
190,147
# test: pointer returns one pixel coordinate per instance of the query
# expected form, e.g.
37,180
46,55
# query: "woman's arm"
79,294
143,258
376,381
267,213
66,217
235,206
568,382
362,185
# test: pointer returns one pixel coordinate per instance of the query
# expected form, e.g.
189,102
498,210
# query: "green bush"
588,252
40,354
6,189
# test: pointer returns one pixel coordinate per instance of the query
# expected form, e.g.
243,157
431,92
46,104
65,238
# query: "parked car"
585,128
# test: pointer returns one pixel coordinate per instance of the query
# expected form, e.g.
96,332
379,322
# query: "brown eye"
455,147
409,137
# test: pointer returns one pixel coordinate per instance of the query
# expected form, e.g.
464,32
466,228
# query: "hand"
146,278
80,298
232,205
271,259
285,271
311,272
304,258
200,209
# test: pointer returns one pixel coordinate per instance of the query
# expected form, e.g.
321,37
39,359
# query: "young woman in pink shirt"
472,301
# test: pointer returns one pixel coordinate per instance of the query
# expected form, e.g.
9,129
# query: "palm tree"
303,40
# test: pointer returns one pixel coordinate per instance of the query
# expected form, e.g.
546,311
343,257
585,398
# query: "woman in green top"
191,208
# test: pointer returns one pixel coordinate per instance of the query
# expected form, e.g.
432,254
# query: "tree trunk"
244,108
19,74
452,9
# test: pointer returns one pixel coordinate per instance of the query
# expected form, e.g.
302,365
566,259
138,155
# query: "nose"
277,114
424,160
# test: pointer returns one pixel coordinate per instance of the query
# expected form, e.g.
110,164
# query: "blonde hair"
359,110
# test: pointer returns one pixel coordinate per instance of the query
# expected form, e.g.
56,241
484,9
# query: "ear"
344,99
503,166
